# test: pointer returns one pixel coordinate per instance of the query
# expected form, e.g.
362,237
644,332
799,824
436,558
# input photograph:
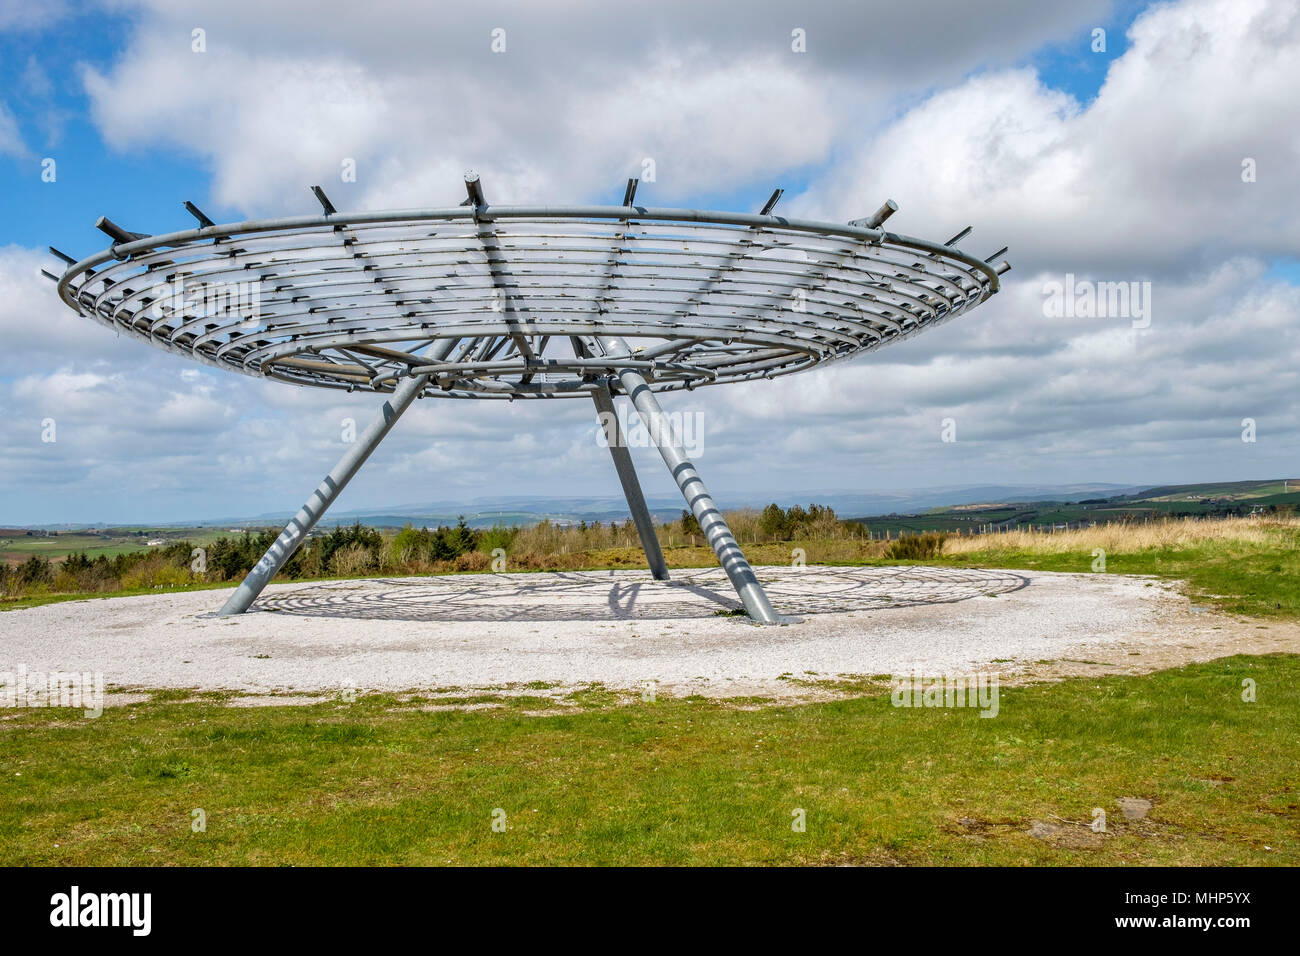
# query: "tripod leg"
301,523
692,487
645,528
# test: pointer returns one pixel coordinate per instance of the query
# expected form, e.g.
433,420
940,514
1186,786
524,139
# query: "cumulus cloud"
1146,179
272,125
1094,399
37,330
581,94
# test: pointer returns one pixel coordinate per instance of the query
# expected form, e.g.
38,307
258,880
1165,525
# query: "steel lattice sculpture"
527,302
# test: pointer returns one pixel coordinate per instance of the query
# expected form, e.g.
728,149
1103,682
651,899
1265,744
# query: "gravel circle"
619,628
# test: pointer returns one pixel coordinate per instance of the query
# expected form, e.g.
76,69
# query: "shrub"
473,561
346,537
352,560
35,570
461,538
411,545
155,572
917,547
305,563
497,536
773,523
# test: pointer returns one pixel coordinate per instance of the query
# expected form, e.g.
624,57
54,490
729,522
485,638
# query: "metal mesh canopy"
520,295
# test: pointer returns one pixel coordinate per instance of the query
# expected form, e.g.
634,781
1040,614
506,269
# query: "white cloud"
17,16
1146,179
38,331
11,138
582,94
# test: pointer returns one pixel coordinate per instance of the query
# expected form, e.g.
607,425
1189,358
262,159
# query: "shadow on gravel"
618,596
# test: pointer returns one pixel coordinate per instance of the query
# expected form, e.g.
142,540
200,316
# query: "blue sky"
57,122
146,186
995,120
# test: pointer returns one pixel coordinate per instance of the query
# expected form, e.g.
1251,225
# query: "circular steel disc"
357,301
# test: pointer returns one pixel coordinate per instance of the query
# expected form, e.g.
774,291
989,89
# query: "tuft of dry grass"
1123,536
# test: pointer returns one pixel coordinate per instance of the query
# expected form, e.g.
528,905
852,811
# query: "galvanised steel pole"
692,487
296,530
617,440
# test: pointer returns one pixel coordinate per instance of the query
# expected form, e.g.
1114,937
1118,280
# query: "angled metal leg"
301,523
296,530
692,487
617,441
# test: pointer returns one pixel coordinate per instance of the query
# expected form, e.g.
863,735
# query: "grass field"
15,548
675,781
604,777
1247,567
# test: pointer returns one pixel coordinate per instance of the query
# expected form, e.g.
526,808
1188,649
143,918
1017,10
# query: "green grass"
1236,577
16,548
677,781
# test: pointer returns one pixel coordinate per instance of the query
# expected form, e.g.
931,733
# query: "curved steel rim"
769,354
486,214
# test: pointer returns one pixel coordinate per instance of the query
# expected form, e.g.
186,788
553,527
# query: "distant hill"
953,506
1198,500
530,509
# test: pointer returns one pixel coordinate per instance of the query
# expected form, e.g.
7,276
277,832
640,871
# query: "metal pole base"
407,391
692,487
298,527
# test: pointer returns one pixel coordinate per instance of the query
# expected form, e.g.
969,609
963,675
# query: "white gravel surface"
618,627
614,627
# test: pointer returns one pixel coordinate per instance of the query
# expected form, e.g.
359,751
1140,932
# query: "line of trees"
345,551
356,550
787,524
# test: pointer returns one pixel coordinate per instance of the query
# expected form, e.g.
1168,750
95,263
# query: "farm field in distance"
1216,500
18,544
